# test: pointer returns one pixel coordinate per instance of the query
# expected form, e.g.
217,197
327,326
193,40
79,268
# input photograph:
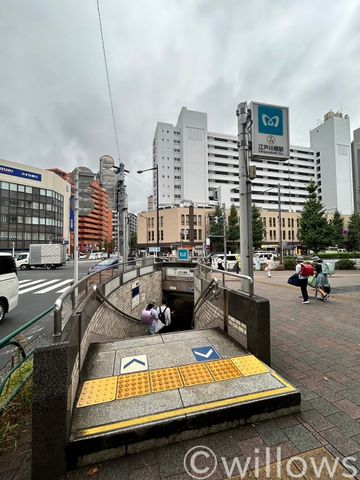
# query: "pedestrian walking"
269,265
302,280
220,265
149,317
164,315
322,281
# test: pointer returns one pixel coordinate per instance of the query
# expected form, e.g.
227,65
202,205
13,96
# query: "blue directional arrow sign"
133,364
204,354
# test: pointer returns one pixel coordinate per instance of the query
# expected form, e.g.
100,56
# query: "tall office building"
356,168
203,167
331,144
34,206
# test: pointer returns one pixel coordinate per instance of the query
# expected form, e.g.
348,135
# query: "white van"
231,260
260,258
9,284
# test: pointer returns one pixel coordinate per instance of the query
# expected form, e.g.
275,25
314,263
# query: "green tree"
314,231
233,228
353,238
258,228
217,230
133,242
336,229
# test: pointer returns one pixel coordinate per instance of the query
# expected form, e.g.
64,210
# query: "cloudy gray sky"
207,55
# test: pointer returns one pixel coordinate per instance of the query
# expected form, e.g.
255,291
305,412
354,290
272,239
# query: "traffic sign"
270,131
183,254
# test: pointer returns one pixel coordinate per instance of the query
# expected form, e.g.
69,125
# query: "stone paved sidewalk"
316,347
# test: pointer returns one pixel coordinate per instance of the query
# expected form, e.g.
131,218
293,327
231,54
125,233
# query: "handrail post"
57,323
73,299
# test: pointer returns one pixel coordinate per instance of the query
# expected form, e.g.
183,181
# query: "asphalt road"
38,290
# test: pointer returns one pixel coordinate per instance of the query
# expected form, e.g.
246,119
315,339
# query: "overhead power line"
108,80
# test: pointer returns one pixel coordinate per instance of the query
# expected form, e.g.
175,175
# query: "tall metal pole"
280,226
157,212
76,227
224,233
246,253
120,209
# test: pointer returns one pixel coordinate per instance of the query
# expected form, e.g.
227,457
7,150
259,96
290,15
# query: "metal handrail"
9,340
232,274
75,287
5,341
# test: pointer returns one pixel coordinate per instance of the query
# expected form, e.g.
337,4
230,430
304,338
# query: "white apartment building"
331,144
356,168
203,167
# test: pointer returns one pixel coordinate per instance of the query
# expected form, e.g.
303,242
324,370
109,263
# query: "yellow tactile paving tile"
223,370
196,374
165,379
101,390
249,365
133,385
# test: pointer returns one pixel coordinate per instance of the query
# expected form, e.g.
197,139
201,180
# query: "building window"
200,233
152,235
182,219
161,221
161,234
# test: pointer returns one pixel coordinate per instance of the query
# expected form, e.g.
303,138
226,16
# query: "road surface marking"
53,287
30,289
24,281
63,289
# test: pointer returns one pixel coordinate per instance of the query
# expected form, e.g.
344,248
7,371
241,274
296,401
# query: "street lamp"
279,217
157,204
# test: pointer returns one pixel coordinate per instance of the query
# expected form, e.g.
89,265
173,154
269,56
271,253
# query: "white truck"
46,255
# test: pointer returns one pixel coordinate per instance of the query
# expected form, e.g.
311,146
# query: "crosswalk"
41,286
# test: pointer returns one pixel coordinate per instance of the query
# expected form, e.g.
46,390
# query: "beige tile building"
176,228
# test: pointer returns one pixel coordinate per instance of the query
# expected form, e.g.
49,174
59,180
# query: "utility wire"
108,80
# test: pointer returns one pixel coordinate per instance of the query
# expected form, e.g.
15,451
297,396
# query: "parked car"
97,255
260,258
9,284
109,262
231,260
82,256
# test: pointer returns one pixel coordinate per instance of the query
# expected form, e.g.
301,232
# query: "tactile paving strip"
196,374
101,390
249,365
133,385
223,370
165,379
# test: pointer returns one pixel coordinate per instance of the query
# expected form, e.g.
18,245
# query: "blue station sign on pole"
270,131
183,254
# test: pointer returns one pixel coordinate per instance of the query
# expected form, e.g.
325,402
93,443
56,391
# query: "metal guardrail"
24,348
225,275
72,298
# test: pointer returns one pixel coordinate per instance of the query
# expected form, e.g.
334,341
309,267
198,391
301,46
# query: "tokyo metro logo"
270,120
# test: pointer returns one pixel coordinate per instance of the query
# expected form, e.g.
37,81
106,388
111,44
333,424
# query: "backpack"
146,317
161,315
306,270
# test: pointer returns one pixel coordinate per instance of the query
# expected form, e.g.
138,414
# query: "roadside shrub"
339,256
289,263
345,264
